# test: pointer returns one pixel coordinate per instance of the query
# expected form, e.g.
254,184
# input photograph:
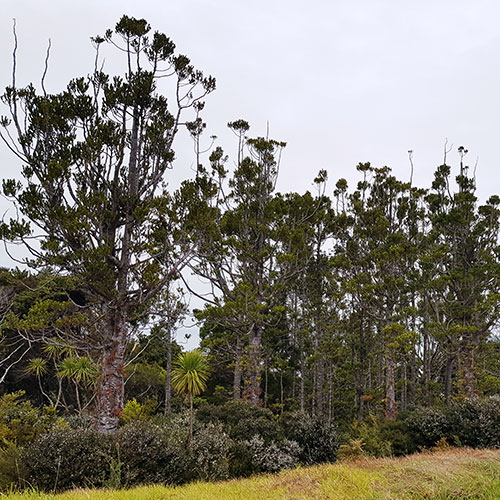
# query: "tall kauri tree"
94,160
467,309
239,257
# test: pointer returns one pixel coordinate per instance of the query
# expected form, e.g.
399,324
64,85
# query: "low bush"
427,426
209,454
351,451
13,474
133,410
474,423
64,458
273,457
242,420
148,454
317,439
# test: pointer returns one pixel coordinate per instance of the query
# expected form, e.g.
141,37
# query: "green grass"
445,475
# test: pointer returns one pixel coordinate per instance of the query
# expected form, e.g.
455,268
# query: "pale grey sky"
341,81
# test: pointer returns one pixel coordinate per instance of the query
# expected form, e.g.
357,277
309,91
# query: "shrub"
80,421
273,457
396,433
150,454
241,460
66,458
476,423
317,439
241,420
369,433
137,411
351,451
427,426
209,453
20,422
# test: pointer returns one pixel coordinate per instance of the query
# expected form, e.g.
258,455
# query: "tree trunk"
404,388
320,382
237,369
447,379
362,372
190,418
253,390
390,391
77,396
302,372
469,381
110,388
168,377
281,392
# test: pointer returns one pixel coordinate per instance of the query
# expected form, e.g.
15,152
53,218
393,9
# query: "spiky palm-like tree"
80,370
55,350
38,367
189,376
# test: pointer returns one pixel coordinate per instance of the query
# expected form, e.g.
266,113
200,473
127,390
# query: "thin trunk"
330,395
190,418
281,391
43,393
404,389
448,379
77,394
390,392
413,377
237,369
168,377
253,390
469,382
426,355
302,372
59,391
266,385
320,381
362,373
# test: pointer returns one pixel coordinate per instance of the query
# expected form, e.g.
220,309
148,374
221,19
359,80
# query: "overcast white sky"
340,81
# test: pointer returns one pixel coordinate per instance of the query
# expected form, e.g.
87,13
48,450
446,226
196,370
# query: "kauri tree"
94,161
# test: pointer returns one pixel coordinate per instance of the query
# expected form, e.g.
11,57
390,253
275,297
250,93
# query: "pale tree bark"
237,369
252,389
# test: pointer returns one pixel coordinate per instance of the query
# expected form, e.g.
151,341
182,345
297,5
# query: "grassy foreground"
453,474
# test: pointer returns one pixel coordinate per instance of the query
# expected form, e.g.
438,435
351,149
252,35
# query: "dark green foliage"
474,423
241,463
242,420
317,439
66,458
428,425
150,453
396,433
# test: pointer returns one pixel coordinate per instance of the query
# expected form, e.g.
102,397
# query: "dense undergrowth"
40,450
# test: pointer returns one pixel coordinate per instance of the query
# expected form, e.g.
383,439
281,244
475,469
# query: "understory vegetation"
233,440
